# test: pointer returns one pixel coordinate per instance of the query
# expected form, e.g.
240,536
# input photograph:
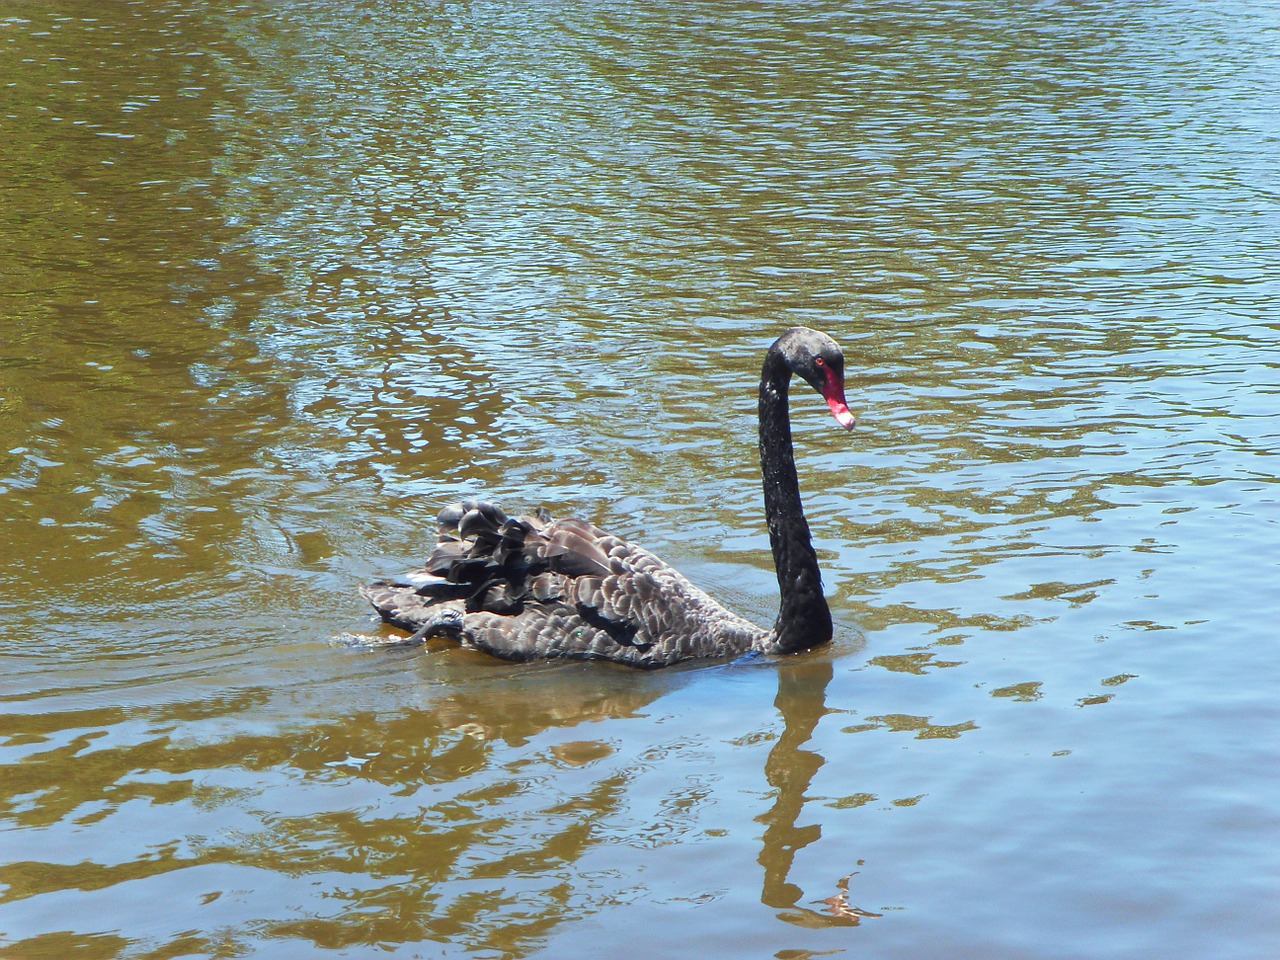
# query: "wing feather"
533,587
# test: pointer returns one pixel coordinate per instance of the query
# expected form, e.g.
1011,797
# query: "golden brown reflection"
923,727
460,823
790,769
135,401
441,819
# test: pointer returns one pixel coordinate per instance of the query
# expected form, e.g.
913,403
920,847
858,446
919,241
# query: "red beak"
833,393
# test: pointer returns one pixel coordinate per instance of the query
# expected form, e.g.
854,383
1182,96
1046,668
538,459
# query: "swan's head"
816,359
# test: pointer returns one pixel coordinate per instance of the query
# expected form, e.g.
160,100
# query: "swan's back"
526,588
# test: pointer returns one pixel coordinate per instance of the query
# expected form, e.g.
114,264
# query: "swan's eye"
820,362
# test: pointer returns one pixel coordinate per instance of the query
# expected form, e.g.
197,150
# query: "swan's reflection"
391,823
460,733
790,769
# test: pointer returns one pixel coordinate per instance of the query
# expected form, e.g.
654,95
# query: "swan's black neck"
803,618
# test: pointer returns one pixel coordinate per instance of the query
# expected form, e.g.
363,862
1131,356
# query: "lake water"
278,280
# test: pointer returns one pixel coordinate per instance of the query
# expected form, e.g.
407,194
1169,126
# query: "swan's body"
534,587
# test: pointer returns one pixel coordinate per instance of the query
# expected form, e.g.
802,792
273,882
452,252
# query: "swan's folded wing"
642,612
535,588
571,547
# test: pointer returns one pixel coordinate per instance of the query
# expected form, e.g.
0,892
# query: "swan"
531,587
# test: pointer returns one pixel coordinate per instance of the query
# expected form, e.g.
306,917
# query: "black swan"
533,587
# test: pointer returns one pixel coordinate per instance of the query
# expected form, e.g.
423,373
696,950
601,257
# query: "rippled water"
277,281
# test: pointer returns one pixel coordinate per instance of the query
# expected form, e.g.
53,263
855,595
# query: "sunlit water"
279,280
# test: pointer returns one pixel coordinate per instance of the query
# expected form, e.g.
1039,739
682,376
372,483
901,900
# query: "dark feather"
528,587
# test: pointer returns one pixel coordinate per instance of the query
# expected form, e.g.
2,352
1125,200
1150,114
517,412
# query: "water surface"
279,280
